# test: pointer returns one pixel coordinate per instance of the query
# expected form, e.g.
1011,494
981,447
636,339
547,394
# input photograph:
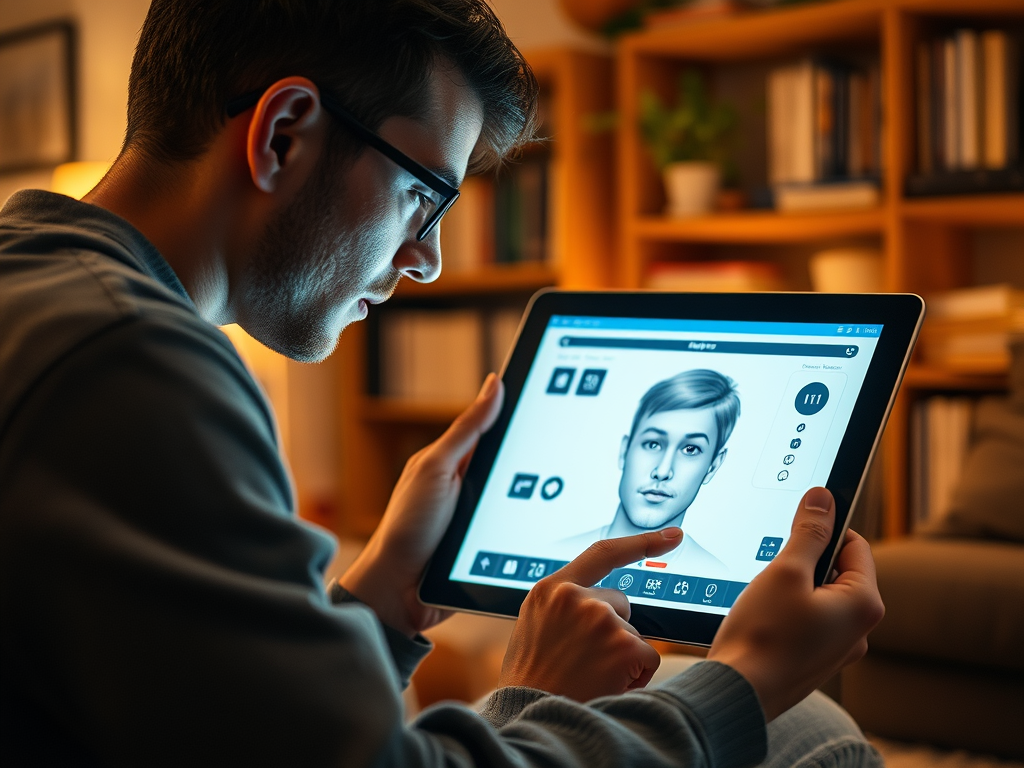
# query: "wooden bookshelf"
377,434
927,242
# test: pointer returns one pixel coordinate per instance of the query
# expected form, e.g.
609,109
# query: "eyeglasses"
441,194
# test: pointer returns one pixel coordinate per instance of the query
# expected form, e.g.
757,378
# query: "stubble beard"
307,269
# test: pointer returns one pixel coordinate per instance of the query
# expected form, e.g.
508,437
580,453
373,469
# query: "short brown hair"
375,55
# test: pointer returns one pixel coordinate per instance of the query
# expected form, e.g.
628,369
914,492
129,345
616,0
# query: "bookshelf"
927,242
378,434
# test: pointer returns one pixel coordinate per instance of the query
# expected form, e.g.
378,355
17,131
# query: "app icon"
486,563
770,546
510,567
653,584
795,443
561,380
522,486
789,459
626,581
783,475
712,588
552,487
801,427
681,588
590,381
812,398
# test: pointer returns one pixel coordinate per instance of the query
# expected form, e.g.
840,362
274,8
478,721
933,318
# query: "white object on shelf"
829,196
691,188
847,270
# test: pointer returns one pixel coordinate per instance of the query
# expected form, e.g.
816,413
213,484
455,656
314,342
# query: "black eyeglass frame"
448,193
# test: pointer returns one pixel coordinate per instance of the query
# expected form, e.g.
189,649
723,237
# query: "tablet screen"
630,425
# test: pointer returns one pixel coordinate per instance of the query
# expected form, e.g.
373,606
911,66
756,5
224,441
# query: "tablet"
628,412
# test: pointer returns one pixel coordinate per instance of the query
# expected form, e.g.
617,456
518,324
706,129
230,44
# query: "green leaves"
695,129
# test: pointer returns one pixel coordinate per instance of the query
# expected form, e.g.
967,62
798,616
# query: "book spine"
968,98
951,107
924,108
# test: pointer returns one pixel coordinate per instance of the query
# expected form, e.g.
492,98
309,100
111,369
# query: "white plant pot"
848,270
691,188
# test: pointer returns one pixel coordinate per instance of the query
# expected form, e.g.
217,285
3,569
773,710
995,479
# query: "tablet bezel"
900,314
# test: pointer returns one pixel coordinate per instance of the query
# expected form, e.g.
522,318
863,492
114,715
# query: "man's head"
328,228
676,444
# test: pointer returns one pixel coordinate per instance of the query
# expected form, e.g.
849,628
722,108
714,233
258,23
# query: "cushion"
988,501
952,600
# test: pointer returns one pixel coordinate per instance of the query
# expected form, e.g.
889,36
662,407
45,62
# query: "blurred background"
689,145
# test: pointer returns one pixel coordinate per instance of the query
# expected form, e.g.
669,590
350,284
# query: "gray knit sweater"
159,602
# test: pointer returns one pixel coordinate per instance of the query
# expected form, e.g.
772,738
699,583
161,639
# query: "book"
714,276
520,211
502,327
792,198
466,231
1001,83
951,102
977,182
431,356
969,92
940,438
924,117
981,302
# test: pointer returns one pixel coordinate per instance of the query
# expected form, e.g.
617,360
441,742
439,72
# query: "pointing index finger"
602,557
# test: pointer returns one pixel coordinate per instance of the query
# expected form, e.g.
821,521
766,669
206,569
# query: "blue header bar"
845,330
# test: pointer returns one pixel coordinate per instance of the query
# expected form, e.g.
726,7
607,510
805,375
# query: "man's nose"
663,470
420,260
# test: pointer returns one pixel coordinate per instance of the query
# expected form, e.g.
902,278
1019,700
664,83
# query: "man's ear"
714,466
622,451
283,131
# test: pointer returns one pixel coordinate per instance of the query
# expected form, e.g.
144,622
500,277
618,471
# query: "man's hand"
387,573
786,637
574,639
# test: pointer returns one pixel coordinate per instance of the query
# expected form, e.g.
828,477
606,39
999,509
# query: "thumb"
812,529
462,436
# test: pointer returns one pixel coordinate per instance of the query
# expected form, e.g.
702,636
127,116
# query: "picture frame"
37,97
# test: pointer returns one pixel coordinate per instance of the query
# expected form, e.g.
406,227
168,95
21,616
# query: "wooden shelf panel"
383,410
973,210
923,377
756,35
761,227
492,279
959,8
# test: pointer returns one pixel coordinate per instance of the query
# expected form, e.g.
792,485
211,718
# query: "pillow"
988,501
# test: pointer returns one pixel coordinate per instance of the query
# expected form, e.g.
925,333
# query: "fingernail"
672,533
818,500
488,388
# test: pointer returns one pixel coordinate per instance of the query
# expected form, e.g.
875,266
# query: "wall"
108,30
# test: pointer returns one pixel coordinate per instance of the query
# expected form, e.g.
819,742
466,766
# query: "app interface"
630,425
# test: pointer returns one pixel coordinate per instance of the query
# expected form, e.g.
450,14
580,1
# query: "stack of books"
440,357
714,276
971,329
940,437
824,134
968,114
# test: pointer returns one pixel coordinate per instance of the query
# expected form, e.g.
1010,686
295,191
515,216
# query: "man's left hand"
387,573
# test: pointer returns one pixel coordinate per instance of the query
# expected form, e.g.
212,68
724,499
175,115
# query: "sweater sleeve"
166,608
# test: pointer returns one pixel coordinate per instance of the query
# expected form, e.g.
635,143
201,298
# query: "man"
285,163
675,445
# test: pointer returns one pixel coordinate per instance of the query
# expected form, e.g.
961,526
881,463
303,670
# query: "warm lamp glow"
77,179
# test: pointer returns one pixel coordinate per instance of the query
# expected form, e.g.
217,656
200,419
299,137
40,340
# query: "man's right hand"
787,637
574,639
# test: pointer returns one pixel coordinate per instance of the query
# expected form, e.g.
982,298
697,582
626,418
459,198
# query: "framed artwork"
37,97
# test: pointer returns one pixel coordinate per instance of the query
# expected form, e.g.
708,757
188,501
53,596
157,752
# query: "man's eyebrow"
449,175
695,435
655,430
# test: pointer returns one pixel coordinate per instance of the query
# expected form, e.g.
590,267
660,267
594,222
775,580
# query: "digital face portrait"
671,454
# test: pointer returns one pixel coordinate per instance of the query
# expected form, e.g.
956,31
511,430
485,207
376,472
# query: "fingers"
855,558
812,529
650,659
602,557
616,599
462,436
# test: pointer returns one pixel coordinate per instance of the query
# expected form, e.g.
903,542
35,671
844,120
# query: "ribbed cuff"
727,708
504,705
407,652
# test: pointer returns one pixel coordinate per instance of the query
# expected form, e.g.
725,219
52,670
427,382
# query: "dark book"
973,182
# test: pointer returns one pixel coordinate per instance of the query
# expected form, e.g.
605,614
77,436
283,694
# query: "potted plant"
690,144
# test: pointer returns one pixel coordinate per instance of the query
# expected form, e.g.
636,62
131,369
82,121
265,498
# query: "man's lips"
656,495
